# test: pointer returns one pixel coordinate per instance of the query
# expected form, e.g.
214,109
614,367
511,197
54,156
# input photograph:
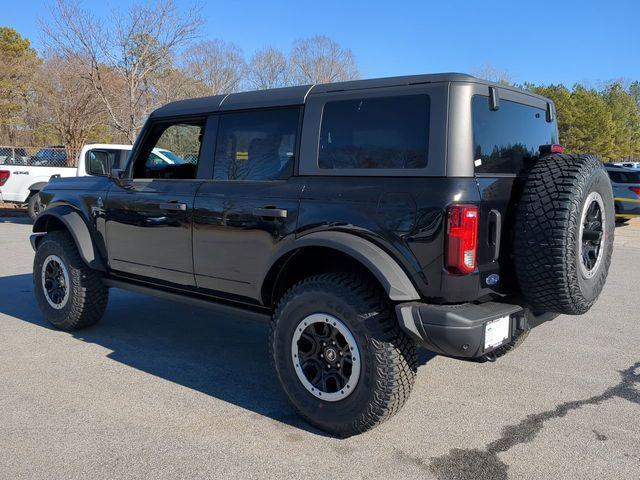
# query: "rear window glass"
624,177
256,145
375,133
504,139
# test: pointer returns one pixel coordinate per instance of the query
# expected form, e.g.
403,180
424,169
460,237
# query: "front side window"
172,151
503,140
257,145
375,133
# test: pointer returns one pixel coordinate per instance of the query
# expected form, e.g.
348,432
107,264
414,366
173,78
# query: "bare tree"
67,103
172,83
132,45
268,68
217,65
492,74
321,60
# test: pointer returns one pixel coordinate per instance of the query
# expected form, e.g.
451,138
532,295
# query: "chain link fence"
55,156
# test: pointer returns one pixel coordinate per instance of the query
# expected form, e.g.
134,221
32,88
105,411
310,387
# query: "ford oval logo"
493,279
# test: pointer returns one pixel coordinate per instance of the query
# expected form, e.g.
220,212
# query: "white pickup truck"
21,182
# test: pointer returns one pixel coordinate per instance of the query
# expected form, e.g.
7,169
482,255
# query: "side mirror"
98,163
116,173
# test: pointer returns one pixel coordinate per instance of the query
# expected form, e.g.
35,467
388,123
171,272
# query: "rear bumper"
459,330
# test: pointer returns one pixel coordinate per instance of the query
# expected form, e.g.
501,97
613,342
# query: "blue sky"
543,42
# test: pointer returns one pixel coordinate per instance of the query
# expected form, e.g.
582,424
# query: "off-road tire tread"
546,231
31,210
89,295
395,353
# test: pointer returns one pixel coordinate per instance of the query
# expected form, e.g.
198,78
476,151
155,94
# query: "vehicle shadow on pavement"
225,357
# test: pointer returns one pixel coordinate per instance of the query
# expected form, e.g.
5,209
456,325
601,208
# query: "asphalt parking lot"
160,390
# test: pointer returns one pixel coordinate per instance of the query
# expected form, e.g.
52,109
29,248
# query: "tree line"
97,79
604,121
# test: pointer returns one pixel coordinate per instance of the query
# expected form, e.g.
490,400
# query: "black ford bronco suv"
361,219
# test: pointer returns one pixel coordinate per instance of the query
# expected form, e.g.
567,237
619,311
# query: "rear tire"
564,233
34,206
69,294
386,356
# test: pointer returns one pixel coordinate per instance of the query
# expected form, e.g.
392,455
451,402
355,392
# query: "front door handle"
270,212
176,206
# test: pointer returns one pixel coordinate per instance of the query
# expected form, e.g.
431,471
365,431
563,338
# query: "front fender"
389,273
77,227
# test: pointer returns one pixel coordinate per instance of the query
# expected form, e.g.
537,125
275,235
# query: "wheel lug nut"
338,365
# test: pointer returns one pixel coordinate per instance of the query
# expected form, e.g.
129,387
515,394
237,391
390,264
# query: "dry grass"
11,210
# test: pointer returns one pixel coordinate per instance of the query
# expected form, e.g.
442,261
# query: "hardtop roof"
290,96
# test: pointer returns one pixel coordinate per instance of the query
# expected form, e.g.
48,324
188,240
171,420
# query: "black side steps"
193,300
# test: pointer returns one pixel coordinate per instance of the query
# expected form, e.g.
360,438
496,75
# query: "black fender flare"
36,187
78,229
389,273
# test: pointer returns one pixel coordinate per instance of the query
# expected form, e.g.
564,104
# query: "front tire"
359,367
69,294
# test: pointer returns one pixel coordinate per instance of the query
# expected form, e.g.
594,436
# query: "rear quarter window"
375,133
503,140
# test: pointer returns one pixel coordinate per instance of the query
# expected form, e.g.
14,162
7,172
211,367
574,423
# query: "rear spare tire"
564,233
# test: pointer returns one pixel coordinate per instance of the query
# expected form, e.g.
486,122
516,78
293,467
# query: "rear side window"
624,177
258,145
504,139
375,133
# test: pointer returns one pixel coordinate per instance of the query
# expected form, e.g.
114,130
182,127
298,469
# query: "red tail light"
635,190
549,149
4,176
462,238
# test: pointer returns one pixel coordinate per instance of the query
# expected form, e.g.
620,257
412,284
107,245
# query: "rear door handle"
270,212
176,206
